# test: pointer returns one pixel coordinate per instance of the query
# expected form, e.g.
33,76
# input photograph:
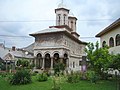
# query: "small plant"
56,83
42,77
73,77
20,77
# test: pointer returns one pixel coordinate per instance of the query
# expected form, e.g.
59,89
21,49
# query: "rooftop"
49,30
109,28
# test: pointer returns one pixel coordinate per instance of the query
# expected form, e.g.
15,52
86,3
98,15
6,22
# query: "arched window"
104,44
59,17
111,42
64,18
117,39
72,24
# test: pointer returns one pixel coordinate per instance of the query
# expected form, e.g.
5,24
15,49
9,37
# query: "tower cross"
62,1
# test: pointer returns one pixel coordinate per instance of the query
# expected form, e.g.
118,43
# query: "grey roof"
3,52
49,30
16,53
30,48
20,54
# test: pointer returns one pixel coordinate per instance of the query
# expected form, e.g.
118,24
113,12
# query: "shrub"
90,75
33,74
2,66
73,77
3,74
58,67
42,77
21,77
23,63
56,83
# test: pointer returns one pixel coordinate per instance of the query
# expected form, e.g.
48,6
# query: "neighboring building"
111,36
9,56
59,43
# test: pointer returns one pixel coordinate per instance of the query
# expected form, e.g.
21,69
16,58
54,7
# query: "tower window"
72,24
59,17
64,18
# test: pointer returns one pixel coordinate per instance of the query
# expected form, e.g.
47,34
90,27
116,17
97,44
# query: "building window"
59,17
111,42
72,24
64,18
73,64
117,39
80,63
104,44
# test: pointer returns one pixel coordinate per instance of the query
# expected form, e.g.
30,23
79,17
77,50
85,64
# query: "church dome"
61,5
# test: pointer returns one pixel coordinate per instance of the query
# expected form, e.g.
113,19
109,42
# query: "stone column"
51,63
61,59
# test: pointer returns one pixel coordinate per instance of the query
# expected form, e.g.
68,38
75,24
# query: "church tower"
64,17
72,22
61,15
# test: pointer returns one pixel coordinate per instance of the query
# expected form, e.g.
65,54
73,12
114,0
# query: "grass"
35,85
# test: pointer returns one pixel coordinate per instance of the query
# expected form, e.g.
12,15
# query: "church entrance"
47,61
39,61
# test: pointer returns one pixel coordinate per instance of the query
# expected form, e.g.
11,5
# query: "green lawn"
35,85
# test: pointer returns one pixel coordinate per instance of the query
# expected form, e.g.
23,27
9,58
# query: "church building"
59,43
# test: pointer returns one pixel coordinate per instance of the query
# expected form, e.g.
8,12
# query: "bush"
23,63
73,77
20,77
2,66
90,75
42,77
3,74
59,67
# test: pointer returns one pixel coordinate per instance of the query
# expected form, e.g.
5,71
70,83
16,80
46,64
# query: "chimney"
13,48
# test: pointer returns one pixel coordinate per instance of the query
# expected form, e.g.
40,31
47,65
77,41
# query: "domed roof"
62,5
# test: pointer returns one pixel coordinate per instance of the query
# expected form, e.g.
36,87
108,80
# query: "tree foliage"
99,58
23,63
115,64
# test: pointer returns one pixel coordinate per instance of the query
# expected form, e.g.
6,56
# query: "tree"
23,63
99,58
115,64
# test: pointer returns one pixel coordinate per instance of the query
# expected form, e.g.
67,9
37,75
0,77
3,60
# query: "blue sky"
93,16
